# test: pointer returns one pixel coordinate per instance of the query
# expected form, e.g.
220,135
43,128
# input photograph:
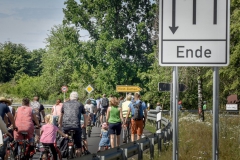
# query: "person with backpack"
104,106
114,119
70,119
48,135
137,107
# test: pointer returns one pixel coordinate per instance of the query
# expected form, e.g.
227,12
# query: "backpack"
137,111
104,102
24,119
36,106
204,107
62,144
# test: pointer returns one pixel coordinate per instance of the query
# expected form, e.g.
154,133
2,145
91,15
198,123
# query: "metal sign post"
175,113
215,149
89,89
64,90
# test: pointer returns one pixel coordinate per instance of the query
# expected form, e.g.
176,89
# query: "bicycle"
45,153
20,149
98,115
127,137
71,146
89,126
84,149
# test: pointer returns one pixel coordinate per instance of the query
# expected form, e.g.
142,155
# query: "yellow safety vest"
125,108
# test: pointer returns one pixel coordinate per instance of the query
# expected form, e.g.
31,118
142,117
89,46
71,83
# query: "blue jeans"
55,120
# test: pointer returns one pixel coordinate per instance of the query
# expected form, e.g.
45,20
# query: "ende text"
189,53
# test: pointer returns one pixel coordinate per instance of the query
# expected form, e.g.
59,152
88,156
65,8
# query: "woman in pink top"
56,111
48,135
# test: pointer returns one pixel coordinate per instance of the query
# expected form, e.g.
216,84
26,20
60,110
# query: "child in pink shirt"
48,135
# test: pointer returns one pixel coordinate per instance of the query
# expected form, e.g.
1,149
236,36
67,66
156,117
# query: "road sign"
89,89
194,32
182,87
167,87
164,87
231,107
64,89
122,88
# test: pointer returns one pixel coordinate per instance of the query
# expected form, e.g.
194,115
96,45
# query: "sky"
28,21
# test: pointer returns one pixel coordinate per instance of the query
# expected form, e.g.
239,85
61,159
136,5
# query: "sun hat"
3,99
104,126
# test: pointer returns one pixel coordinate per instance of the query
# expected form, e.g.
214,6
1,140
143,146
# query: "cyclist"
48,134
70,117
126,119
38,109
3,144
24,118
89,108
4,110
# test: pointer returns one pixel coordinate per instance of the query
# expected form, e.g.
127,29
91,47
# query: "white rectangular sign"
231,107
194,32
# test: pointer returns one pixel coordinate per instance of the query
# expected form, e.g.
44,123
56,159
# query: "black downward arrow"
173,28
194,11
215,12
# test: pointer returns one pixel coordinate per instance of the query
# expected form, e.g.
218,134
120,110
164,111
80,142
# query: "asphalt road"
93,141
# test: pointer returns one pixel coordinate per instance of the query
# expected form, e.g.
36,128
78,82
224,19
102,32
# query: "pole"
175,112
215,113
64,96
171,100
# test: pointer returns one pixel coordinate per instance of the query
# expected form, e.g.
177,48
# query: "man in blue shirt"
137,125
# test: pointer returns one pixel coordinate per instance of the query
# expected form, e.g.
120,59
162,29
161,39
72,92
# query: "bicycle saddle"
71,131
24,133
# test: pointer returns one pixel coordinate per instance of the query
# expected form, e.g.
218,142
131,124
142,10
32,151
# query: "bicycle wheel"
70,153
104,119
11,155
44,156
89,131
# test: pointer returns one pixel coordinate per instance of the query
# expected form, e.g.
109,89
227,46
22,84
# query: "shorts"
115,128
77,136
137,127
84,134
103,111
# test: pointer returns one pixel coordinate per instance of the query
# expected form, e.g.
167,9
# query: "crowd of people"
73,115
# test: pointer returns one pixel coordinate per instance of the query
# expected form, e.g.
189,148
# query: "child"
48,134
105,141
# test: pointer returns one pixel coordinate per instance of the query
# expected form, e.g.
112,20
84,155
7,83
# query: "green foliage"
13,60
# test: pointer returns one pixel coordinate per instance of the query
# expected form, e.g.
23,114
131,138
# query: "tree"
35,62
14,60
62,56
121,33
